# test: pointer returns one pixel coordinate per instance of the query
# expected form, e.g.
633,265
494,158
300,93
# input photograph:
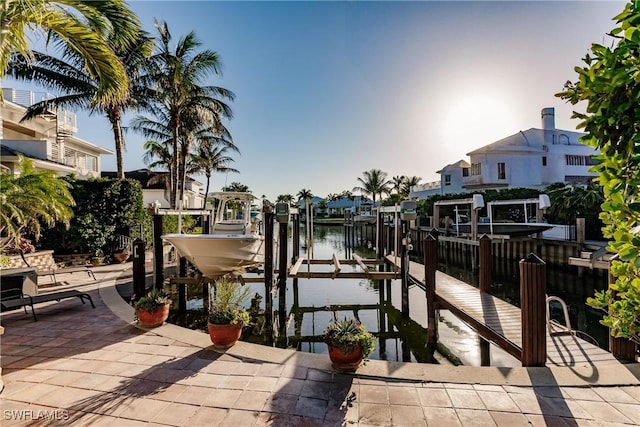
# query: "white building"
48,140
533,158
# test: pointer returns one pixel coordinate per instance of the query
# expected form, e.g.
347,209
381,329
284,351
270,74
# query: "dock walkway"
500,322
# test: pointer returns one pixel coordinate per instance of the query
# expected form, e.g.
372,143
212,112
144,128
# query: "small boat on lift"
235,243
488,225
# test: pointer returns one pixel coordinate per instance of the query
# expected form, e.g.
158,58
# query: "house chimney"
548,118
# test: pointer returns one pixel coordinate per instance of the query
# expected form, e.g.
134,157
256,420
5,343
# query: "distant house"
49,140
154,188
338,207
534,158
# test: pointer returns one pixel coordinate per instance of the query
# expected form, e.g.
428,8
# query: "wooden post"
404,268
621,348
139,275
430,246
268,270
282,275
380,237
580,230
295,220
533,301
486,261
158,256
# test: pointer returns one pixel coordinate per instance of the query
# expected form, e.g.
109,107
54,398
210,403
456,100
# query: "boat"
487,225
235,243
513,229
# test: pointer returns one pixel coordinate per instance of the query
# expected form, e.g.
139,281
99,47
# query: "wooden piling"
282,273
430,250
158,256
268,270
621,348
486,261
533,284
404,269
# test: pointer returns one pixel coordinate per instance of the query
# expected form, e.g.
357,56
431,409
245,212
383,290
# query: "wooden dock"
500,322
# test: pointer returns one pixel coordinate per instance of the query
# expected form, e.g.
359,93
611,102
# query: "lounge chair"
12,296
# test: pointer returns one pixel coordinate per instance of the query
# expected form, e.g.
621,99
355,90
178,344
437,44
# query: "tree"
84,26
211,158
608,82
30,200
305,194
236,186
80,89
373,183
285,198
397,183
410,181
181,102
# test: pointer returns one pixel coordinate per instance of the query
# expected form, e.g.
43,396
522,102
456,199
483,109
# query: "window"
544,160
574,160
465,171
447,180
502,171
476,169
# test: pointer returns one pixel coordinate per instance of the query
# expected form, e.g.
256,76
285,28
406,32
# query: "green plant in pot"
349,343
227,315
153,309
97,258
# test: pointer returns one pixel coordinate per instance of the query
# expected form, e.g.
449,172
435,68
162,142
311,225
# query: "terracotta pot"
345,362
224,336
151,319
120,257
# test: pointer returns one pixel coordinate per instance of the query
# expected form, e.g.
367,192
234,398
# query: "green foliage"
154,300
170,224
104,207
227,305
31,200
347,334
609,82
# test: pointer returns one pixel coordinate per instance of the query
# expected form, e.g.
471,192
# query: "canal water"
312,303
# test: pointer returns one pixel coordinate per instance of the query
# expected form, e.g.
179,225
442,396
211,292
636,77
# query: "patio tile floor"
90,367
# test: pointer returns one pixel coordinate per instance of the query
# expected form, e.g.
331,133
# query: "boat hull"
215,255
507,228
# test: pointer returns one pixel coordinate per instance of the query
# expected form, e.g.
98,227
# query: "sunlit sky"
327,90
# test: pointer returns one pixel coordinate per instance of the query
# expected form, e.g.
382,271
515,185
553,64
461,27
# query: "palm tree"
304,194
211,158
80,89
285,198
180,101
410,181
373,183
84,26
236,186
31,199
397,183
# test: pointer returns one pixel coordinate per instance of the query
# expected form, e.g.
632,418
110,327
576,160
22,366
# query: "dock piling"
533,289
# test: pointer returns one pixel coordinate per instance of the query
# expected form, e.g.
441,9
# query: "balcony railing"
66,120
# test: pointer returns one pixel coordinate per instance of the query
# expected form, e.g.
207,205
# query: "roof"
143,176
456,165
530,140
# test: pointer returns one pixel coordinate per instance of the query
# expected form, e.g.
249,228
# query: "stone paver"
93,367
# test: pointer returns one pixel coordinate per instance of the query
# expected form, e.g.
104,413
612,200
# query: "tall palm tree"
180,101
82,25
374,182
397,183
210,158
304,194
80,89
410,181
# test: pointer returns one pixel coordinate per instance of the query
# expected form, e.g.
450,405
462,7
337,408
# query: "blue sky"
327,90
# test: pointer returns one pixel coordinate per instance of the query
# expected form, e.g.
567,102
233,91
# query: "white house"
154,188
48,140
534,158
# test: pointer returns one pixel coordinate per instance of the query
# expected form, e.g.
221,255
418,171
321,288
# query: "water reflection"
312,303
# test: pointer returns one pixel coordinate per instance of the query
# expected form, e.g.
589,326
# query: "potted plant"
227,316
348,342
97,258
153,309
121,256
